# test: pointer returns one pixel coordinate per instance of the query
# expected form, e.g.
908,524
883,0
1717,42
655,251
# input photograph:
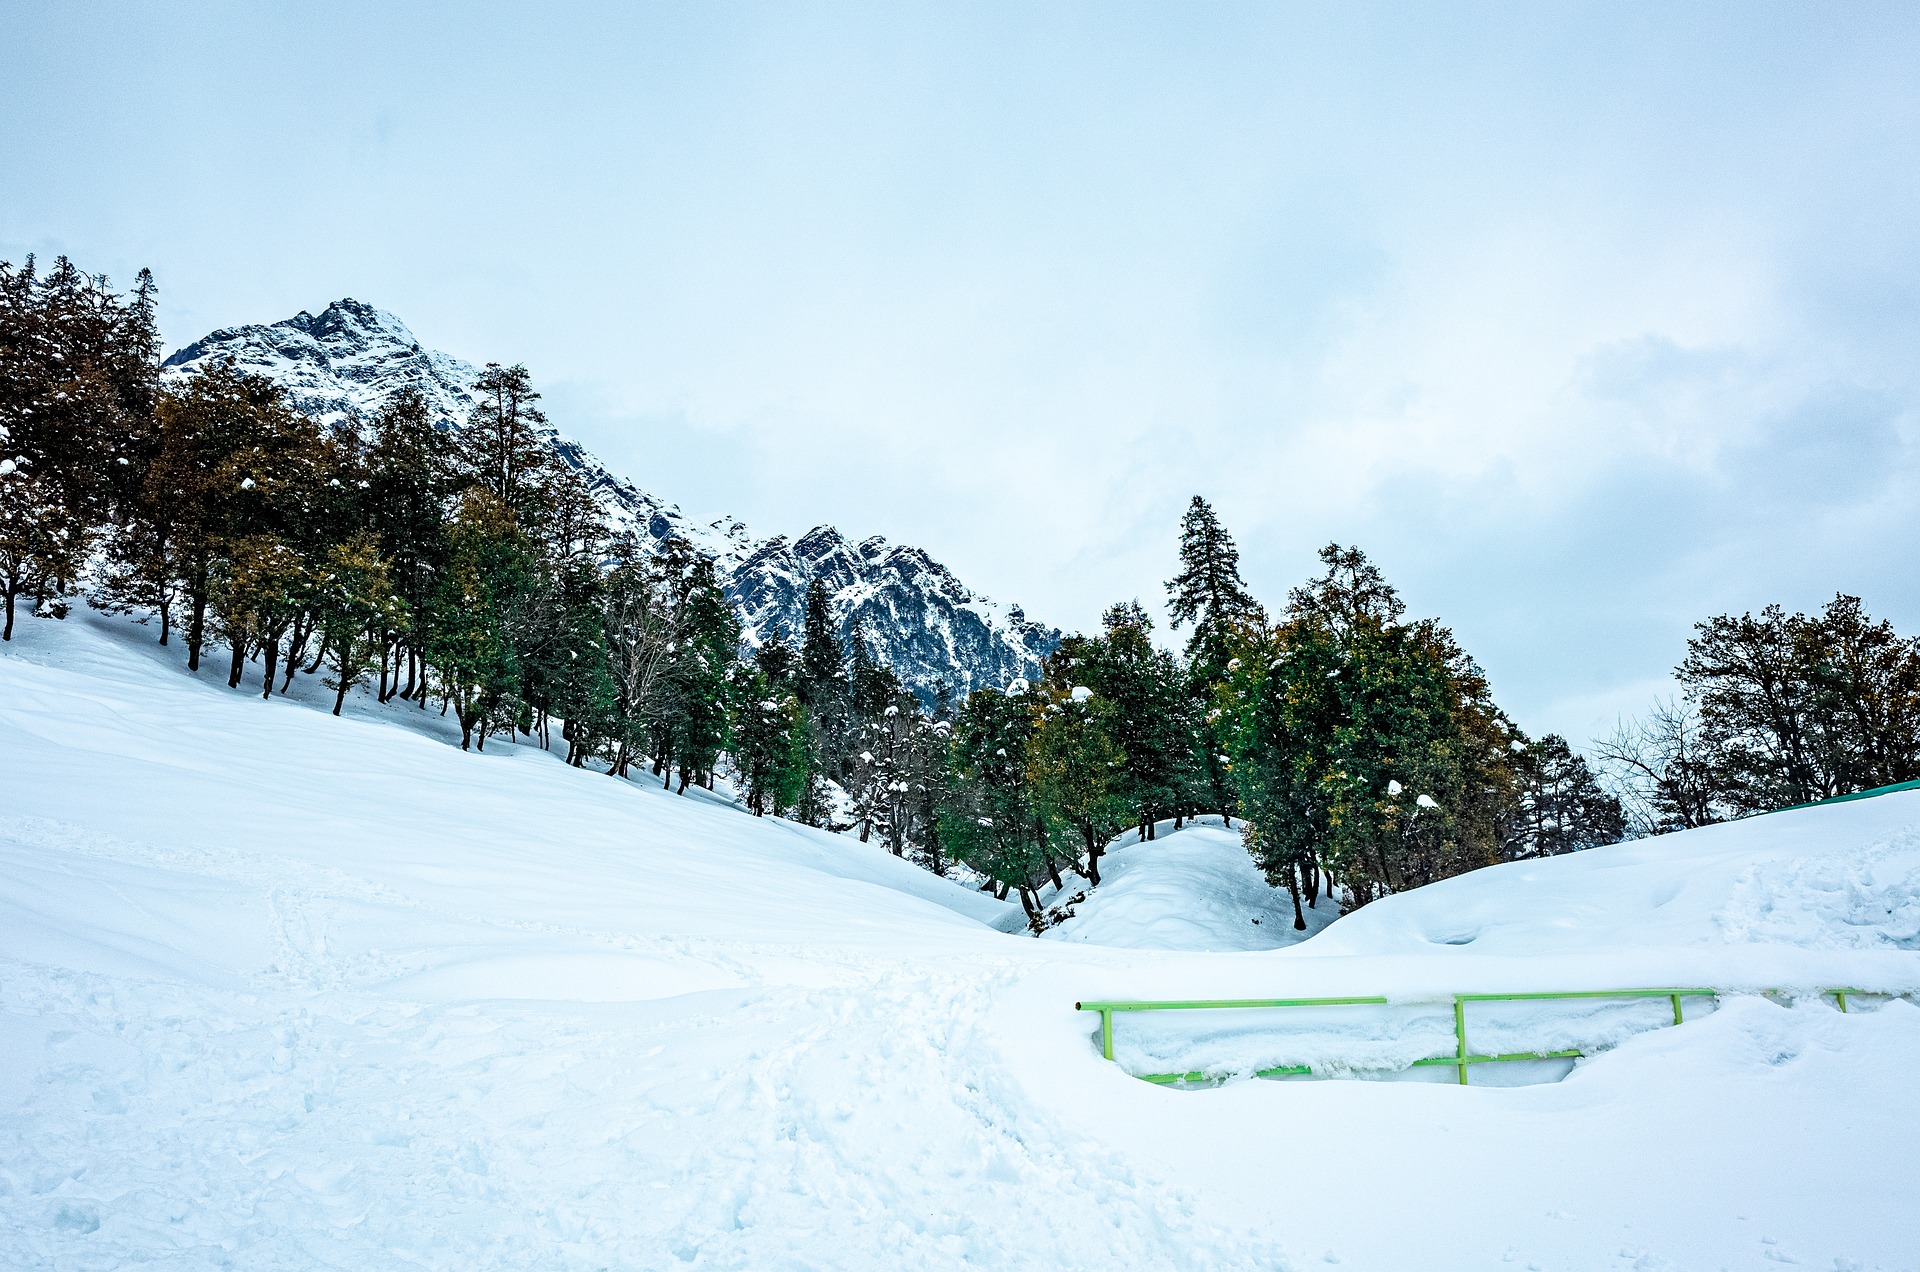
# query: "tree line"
1777,710
467,568
1360,752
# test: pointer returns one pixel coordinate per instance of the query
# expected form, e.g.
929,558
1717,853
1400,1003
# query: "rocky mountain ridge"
347,362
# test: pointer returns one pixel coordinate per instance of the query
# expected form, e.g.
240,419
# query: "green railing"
1462,1057
1869,793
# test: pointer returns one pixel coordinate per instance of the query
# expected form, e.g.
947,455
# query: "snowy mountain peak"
344,364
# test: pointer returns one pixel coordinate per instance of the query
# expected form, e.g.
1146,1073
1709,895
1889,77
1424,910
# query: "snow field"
284,991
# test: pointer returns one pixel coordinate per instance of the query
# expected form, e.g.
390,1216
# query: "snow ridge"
349,361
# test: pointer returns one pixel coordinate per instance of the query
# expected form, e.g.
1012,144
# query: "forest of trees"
470,571
1779,710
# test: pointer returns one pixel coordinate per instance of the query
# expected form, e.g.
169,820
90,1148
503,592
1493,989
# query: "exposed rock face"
346,363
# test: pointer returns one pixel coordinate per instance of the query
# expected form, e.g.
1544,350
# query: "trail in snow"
284,991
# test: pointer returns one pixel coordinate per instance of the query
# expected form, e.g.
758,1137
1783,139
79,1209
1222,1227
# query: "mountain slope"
347,362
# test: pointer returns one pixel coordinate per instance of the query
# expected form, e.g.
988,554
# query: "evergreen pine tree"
409,475
1077,769
501,449
355,597
477,599
991,819
1208,592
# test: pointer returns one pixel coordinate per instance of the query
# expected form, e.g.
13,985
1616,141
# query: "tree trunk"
1293,889
7,632
341,696
271,648
296,642
238,667
196,632
1093,855
1031,904
166,620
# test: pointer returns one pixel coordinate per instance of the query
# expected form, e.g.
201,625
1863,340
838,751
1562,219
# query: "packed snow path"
284,991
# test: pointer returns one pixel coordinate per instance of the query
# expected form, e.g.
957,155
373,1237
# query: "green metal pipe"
1500,1059
1843,799
1590,993
1460,1034
1278,1071
1220,1004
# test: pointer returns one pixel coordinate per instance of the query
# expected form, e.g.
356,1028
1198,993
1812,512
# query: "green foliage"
478,600
1365,746
1803,707
1076,768
42,548
992,819
1562,806
1151,717
501,450
1209,594
79,371
354,596
769,735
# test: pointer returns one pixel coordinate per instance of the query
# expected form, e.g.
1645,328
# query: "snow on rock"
347,363
285,991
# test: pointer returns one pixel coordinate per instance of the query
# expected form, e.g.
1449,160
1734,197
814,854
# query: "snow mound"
1191,889
1842,877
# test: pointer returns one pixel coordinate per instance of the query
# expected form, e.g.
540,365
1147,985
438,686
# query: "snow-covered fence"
1383,1058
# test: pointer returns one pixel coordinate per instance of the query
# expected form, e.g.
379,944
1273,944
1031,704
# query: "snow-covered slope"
352,359
279,990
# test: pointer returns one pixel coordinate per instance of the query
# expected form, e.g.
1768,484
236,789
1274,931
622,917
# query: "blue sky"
1585,321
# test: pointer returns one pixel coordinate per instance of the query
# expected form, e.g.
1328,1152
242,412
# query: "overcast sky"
1584,321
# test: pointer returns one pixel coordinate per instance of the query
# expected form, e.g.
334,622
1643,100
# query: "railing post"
1676,1010
1106,1032
1460,1034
